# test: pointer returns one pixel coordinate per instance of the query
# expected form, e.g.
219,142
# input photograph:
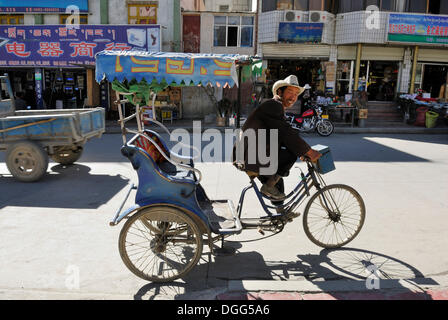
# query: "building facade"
221,27
385,47
48,47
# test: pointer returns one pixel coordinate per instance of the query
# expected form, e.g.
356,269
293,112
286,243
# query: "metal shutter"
371,53
433,55
282,50
382,53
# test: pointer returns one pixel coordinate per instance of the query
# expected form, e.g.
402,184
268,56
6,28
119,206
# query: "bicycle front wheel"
160,244
334,216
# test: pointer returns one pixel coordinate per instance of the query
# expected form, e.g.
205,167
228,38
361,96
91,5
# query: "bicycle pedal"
261,231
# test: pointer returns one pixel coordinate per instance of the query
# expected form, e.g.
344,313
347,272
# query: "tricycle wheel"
27,161
334,216
66,155
160,244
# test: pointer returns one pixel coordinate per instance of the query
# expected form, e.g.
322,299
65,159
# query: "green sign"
413,28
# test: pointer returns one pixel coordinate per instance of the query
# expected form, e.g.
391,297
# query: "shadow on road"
344,147
70,186
365,268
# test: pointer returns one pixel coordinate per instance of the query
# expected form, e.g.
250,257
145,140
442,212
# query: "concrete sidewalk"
434,288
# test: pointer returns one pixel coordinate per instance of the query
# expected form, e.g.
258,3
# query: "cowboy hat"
290,81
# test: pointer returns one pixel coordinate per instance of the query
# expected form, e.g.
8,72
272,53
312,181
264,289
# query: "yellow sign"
363,113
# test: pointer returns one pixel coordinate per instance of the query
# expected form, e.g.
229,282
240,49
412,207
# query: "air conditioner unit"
320,16
294,16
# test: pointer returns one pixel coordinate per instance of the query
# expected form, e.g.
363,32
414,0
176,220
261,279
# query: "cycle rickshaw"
172,218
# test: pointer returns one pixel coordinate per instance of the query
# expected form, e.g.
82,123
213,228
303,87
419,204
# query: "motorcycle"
312,119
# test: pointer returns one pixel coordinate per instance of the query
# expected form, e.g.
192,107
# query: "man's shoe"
272,192
294,215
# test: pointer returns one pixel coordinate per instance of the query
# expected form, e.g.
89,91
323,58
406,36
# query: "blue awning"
169,67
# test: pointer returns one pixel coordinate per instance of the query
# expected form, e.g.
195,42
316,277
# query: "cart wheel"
160,244
334,216
66,156
27,161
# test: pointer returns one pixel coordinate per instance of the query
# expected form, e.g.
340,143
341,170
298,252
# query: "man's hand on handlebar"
312,155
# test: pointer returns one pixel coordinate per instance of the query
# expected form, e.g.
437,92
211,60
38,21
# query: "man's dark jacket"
270,115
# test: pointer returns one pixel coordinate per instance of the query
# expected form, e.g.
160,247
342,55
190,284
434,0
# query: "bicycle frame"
294,199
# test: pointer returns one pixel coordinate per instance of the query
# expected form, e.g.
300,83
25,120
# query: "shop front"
307,71
427,35
432,72
54,65
379,71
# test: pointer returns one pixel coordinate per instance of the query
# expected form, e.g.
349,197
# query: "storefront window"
268,5
344,75
220,31
301,5
438,7
83,19
381,80
345,6
373,3
247,31
315,5
284,4
11,19
434,76
443,7
357,6
419,76
388,5
233,31
418,6
142,14
360,5
330,5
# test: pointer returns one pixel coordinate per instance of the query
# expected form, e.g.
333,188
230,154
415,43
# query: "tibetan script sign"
413,28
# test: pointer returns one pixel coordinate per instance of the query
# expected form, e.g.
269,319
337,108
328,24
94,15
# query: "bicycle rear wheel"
160,244
334,216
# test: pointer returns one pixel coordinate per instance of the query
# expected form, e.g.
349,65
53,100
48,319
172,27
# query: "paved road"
55,232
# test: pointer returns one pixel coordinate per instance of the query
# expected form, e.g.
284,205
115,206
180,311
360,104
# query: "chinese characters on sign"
418,29
57,45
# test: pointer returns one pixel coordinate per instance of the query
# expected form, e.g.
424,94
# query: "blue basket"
325,163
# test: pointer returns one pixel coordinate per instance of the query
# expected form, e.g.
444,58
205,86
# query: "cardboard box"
363,113
325,164
175,94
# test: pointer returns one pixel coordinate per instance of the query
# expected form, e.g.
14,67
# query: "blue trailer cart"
31,137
